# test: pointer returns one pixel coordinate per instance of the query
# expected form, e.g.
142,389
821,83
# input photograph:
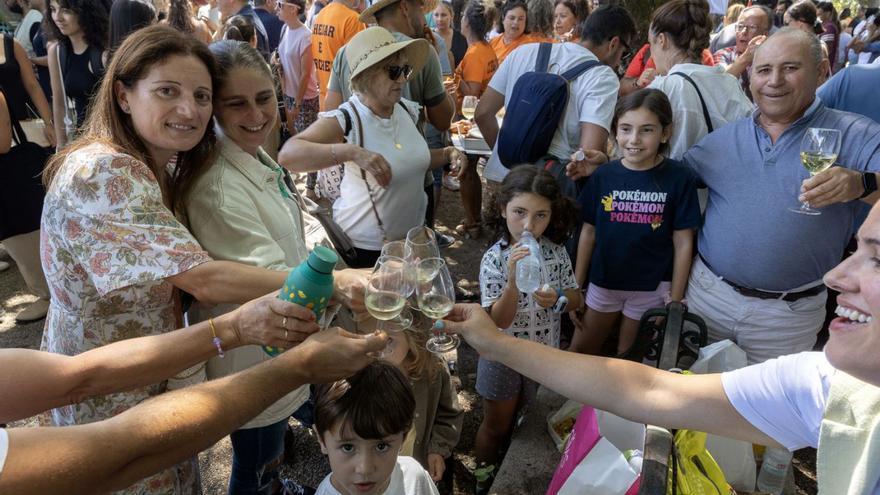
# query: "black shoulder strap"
96,60
347,117
543,57
62,57
576,71
702,101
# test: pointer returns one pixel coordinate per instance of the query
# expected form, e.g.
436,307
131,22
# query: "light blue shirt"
749,236
854,89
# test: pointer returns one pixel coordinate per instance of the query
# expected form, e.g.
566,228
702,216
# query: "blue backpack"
535,108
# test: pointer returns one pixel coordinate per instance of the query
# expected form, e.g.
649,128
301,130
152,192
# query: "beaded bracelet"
216,339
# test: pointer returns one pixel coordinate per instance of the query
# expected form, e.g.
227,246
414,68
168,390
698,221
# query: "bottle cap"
322,259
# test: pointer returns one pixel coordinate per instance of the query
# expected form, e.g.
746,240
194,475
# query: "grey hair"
362,82
814,45
232,54
768,15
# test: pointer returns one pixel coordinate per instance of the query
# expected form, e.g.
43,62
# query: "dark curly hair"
527,178
478,19
687,24
93,17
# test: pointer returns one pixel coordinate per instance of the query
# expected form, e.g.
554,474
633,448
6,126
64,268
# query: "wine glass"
391,327
399,249
436,297
421,244
819,149
388,288
469,106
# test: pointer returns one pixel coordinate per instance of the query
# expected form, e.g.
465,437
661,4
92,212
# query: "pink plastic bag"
583,437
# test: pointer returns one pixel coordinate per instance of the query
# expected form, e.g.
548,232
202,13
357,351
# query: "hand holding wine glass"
819,149
436,297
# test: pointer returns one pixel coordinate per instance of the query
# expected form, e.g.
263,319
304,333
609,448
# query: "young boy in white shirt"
361,423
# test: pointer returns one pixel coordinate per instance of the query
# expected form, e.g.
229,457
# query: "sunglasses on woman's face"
395,71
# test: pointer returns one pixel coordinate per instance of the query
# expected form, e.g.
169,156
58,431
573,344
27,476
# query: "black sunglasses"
395,71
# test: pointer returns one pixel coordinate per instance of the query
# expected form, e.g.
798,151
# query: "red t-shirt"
638,64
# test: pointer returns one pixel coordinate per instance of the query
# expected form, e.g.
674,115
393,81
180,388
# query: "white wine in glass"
436,298
819,149
469,106
387,289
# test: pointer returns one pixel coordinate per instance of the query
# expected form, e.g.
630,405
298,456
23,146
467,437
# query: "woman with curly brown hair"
703,98
76,63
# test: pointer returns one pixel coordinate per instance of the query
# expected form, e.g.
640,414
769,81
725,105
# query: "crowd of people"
149,198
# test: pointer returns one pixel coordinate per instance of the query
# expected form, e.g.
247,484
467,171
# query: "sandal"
485,476
469,230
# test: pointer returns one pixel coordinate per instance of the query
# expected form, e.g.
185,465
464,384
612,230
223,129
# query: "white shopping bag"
720,357
735,458
604,471
622,433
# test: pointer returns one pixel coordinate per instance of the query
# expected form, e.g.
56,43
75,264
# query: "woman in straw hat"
374,134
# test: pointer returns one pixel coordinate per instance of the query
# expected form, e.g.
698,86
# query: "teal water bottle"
310,285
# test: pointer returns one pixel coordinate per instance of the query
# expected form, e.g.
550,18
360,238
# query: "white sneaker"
451,183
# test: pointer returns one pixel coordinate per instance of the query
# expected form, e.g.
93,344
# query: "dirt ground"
306,464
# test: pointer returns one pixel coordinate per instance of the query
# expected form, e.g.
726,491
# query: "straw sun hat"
374,44
373,6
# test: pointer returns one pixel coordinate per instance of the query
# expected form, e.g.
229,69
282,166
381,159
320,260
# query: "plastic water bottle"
528,269
771,478
310,284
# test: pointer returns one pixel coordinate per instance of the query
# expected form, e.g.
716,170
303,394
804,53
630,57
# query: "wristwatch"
869,182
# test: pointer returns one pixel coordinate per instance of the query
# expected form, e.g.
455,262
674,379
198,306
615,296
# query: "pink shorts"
632,303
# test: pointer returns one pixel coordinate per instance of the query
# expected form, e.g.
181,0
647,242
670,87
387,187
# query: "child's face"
527,211
360,466
639,135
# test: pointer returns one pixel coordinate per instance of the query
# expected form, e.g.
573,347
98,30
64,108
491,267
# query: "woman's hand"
273,322
334,354
373,163
475,325
49,132
349,288
646,78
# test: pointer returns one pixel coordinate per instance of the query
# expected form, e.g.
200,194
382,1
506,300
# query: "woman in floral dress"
113,250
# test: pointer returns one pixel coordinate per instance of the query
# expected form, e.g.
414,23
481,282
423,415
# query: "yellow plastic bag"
692,470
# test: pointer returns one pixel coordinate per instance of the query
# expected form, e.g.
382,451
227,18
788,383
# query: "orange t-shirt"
334,26
502,50
477,65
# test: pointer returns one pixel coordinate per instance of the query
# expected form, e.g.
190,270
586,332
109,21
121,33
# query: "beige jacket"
237,212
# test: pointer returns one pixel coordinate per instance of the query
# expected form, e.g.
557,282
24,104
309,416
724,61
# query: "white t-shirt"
722,93
784,397
402,204
592,96
294,42
408,478
4,447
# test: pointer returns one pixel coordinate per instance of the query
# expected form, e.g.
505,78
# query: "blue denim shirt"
749,236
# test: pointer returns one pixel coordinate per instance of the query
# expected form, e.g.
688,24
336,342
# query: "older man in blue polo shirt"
758,278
